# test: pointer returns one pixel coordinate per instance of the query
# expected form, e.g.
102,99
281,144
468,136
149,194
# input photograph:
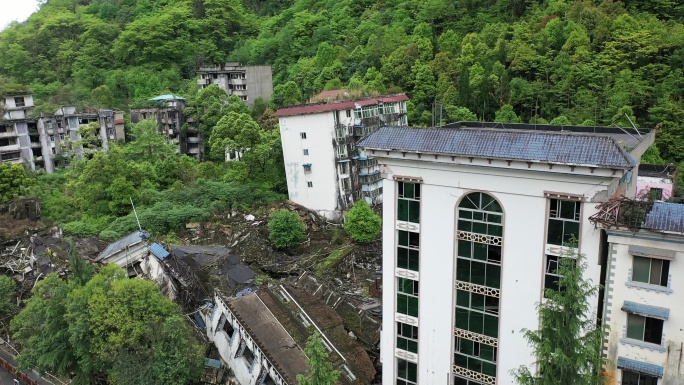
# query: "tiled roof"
342,105
665,217
563,148
646,310
129,240
640,367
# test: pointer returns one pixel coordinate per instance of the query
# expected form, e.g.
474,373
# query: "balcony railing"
370,178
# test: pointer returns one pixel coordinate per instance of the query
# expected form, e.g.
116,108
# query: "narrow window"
408,204
644,328
306,151
52,138
309,184
302,135
650,270
634,378
348,112
407,337
407,297
407,372
408,253
564,221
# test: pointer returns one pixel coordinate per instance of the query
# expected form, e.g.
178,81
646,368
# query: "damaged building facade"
324,171
37,141
248,82
476,218
260,336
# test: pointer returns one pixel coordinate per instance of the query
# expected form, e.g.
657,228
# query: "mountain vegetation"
567,61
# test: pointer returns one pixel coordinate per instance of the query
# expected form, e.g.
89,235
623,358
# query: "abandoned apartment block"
248,82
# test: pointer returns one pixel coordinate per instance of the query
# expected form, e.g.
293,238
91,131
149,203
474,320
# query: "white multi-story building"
474,223
644,293
324,171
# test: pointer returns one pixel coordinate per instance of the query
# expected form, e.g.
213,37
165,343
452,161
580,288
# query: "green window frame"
408,202
645,329
563,222
407,372
407,337
407,297
408,253
475,356
653,271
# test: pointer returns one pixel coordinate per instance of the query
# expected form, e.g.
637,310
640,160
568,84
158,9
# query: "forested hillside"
579,62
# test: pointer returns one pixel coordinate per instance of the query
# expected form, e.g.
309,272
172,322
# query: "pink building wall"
646,183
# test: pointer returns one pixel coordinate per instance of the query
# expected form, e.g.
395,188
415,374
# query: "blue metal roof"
646,310
199,321
306,164
665,217
212,363
640,367
158,251
547,147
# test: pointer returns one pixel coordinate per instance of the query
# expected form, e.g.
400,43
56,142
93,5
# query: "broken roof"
167,97
339,105
546,147
123,243
276,343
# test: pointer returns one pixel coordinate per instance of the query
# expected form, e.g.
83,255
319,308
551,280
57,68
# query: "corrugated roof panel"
159,251
665,217
341,105
129,240
640,367
646,310
564,148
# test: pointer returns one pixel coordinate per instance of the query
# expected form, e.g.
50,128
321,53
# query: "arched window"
478,289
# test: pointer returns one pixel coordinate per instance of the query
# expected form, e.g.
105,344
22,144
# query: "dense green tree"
13,179
568,344
8,295
322,372
361,223
286,229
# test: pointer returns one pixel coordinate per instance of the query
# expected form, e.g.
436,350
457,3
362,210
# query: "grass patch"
332,260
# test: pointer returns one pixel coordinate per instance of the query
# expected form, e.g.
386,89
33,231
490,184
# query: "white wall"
618,291
319,135
521,194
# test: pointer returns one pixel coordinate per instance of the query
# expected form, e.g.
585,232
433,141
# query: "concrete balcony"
10,134
204,82
193,139
193,150
35,145
11,147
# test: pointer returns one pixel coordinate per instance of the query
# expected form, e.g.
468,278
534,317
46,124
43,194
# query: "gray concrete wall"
259,83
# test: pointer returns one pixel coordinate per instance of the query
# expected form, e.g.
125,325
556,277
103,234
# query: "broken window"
407,372
407,297
407,337
655,194
475,356
228,328
408,204
564,221
248,356
19,101
645,329
8,142
408,253
634,378
653,271
551,275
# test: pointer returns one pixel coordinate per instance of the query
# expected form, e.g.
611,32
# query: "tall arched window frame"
477,288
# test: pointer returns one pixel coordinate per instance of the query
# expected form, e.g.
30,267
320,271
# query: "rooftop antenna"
625,131
136,214
632,123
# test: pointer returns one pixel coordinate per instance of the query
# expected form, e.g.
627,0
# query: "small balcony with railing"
370,178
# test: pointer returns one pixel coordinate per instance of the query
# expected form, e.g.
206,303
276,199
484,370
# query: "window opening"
302,135
19,101
644,329
655,194
306,151
563,225
407,337
408,204
551,275
653,271
307,168
407,297
407,372
309,184
634,378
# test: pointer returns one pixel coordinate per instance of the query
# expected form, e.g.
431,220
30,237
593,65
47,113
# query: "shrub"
285,229
362,224
8,288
